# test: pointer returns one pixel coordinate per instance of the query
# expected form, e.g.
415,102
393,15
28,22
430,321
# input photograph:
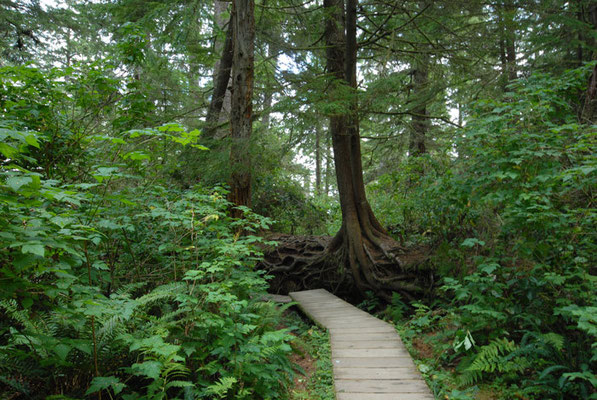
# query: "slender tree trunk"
241,112
420,122
221,80
267,104
328,168
272,53
508,11
589,111
580,18
317,160
460,119
220,9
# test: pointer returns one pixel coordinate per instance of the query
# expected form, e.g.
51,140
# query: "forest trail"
370,362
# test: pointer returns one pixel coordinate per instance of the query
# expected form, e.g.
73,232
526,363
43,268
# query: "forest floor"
426,349
307,363
313,379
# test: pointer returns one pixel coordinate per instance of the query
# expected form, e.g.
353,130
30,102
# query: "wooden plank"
366,344
364,329
341,315
352,322
359,337
384,396
369,360
376,373
364,353
380,386
328,307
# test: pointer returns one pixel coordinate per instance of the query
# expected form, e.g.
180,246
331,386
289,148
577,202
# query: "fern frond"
489,359
554,340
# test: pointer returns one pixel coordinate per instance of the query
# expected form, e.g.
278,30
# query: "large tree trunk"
241,112
368,251
361,256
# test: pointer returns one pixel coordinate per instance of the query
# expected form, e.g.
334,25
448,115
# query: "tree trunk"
317,160
328,168
507,14
367,249
420,121
272,54
241,112
589,110
221,80
361,256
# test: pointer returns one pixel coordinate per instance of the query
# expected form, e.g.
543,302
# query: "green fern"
554,340
489,359
11,308
222,387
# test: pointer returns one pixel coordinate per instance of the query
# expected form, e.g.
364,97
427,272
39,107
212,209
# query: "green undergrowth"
113,282
511,223
314,341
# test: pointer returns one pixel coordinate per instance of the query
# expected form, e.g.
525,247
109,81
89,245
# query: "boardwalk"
370,361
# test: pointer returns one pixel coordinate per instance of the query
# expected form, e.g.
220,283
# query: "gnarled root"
338,265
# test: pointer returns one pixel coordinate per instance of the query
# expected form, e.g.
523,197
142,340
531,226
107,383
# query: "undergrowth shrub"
513,224
115,281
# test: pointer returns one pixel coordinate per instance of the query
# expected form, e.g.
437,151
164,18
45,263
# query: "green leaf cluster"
114,280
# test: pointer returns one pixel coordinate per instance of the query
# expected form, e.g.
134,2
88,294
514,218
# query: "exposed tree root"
310,262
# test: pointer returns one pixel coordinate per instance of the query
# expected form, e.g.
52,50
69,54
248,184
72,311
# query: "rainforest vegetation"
164,164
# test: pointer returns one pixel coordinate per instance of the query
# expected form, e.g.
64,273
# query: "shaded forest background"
131,268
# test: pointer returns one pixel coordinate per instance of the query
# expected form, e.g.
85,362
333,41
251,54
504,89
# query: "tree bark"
368,251
241,112
420,121
506,16
328,168
221,80
589,110
317,160
361,256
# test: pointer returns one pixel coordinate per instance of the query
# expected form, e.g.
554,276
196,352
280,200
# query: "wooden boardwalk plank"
380,386
366,344
383,396
376,373
370,361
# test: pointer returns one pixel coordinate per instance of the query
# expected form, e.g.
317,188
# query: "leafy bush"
513,223
115,282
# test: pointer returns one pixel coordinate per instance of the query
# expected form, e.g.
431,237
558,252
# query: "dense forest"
164,164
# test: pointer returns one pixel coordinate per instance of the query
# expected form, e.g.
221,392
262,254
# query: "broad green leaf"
33,248
151,369
7,150
16,182
62,351
105,382
471,242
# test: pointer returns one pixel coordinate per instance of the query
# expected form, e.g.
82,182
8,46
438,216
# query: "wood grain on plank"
369,359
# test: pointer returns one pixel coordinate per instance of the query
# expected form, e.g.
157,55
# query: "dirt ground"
307,363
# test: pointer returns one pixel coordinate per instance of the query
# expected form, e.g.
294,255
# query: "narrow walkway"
370,361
